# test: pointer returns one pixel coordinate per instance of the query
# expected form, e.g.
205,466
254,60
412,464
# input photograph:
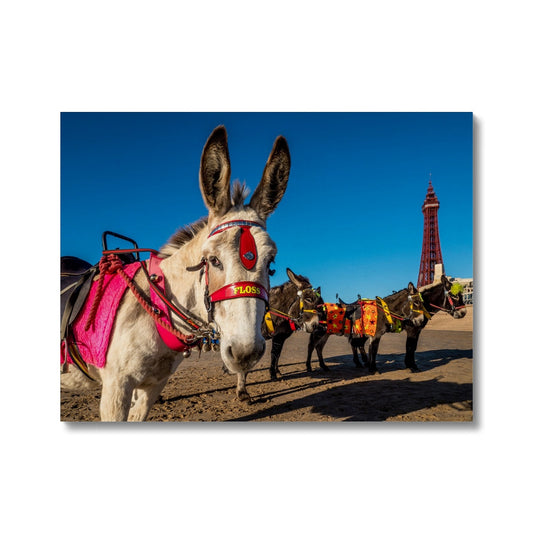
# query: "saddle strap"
386,310
395,325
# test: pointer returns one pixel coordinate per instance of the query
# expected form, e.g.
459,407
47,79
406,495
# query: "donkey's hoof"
325,368
243,396
414,369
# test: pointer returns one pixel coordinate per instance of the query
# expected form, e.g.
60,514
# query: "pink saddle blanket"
94,343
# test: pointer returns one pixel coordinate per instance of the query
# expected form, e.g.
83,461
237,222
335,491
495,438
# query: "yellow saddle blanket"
337,324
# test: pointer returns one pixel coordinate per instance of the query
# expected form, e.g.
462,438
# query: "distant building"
468,289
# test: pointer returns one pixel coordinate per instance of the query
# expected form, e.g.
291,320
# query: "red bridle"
453,308
248,256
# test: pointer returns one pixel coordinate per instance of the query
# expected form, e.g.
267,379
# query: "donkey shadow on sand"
373,400
392,362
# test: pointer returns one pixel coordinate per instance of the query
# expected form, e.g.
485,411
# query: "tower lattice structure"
431,252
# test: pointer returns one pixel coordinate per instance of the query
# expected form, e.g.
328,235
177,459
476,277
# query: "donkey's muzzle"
459,313
240,356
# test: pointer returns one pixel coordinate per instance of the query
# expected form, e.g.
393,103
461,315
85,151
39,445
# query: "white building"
467,283
468,289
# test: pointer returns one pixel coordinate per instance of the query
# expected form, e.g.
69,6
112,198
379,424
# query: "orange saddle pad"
366,325
335,319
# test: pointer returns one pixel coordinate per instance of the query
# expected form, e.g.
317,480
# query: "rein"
110,263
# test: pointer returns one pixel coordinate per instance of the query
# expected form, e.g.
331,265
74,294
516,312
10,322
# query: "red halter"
248,256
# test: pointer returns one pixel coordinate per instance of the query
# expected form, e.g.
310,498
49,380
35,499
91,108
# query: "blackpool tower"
431,253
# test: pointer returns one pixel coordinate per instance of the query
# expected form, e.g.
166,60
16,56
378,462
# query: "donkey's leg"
313,339
363,351
372,352
355,343
145,399
410,348
317,341
242,393
277,345
116,399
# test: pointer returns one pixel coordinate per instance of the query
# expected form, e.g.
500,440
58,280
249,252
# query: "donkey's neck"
185,287
283,296
433,295
396,301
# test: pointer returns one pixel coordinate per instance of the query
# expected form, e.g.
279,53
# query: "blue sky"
350,220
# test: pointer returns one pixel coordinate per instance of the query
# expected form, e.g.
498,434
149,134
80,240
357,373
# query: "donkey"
404,308
293,305
217,270
442,295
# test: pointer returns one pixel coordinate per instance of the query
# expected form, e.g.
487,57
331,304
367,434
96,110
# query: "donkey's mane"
431,290
239,194
188,232
432,285
182,237
393,298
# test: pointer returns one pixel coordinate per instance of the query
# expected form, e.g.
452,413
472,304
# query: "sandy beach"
441,391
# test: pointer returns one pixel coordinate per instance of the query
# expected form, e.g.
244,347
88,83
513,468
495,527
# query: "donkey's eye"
271,272
215,261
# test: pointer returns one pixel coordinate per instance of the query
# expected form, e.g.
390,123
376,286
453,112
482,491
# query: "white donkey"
216,271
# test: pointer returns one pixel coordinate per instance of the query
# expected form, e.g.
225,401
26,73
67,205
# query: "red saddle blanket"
337,324
93,344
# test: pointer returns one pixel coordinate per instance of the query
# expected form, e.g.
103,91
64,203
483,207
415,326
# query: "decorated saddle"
91,343
92,303
340,319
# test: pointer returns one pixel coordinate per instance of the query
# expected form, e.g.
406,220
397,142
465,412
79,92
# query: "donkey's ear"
215,172
446,282
274,181
411,288
295,278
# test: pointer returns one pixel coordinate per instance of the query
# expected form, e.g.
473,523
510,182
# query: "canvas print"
266,267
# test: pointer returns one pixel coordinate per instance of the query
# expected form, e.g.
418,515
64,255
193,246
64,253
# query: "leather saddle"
353,310
76,279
